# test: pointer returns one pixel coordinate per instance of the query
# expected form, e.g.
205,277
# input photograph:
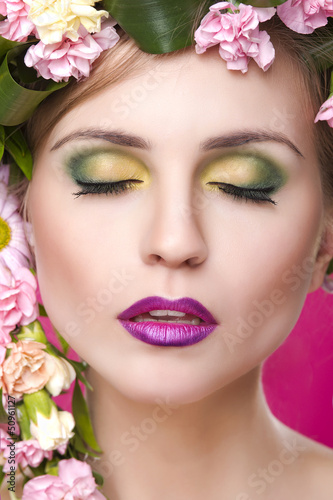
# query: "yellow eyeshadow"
106,166
243,171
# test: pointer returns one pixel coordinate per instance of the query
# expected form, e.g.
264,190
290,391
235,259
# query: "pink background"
298,377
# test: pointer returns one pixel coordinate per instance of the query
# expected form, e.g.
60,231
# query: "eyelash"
115,188
257,195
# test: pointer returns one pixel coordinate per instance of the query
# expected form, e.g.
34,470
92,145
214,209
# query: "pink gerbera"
14,251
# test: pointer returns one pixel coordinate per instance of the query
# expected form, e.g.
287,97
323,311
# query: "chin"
176,389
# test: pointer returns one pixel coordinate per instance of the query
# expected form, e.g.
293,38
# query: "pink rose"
75,482
60,61
25,370
326,112
27,453
237,34
304,16
17,26
18,301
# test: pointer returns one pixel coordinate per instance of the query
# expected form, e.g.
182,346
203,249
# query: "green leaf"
330,268
33,331
98,478
3,414
158,26
2,475
23,421
51,466
64,345
82,419
79,446
2,141
16,145
42,311
38,401
5,46
17,103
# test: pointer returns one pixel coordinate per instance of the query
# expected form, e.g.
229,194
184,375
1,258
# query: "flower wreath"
43,44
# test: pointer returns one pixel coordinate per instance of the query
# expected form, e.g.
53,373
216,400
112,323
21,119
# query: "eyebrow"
244,137
134,141
116,137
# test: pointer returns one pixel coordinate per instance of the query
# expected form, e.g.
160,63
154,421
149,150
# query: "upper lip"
185,304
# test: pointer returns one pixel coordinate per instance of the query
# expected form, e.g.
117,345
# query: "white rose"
61,373
55,18
54,431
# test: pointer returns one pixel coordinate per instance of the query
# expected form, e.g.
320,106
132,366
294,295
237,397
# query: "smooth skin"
187,422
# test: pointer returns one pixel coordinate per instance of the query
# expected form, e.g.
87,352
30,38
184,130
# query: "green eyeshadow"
244,170
102,165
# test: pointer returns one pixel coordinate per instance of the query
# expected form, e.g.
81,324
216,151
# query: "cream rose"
24,371
55,18
62,375
53,431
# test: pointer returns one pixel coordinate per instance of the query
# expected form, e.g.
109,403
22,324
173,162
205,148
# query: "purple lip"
166,333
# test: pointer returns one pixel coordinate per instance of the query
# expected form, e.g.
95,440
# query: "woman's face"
244,247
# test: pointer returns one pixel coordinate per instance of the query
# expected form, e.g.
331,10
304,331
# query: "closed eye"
257,195
113,188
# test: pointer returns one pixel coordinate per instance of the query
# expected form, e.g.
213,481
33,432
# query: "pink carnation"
304,16
237,34
75,482
27,453
326,112
17,26
18,302
60,61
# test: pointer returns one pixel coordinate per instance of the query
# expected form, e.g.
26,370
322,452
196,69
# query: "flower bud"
33,331
62,375
54,431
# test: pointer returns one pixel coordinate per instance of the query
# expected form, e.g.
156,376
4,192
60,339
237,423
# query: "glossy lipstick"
181,329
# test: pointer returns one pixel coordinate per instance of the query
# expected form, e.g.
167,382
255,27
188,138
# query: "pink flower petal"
237,33
304,16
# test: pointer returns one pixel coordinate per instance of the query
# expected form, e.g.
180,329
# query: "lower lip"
167,334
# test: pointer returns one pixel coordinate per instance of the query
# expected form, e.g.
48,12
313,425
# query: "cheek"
85,259
266,277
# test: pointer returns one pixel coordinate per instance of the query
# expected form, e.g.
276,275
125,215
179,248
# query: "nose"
173,235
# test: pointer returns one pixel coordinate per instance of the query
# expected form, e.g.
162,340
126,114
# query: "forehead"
190,97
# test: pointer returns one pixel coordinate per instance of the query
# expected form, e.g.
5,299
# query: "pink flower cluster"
74,482
56,61
304,16
18,302
236,31
27,453
17,26
60,61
